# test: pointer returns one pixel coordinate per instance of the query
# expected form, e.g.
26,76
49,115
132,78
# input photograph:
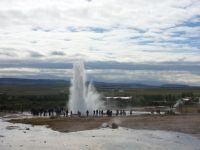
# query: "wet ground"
23,136
181,123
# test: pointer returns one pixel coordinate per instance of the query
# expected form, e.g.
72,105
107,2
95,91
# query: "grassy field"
24,90
25,97
62,89
47,96
151,91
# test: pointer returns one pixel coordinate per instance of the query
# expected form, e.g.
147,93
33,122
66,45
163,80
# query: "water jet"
83,95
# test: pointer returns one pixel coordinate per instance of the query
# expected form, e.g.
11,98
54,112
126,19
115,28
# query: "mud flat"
179,123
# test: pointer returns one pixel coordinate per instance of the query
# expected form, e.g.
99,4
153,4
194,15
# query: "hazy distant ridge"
19,81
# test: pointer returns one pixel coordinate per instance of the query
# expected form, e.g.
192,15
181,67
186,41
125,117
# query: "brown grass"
66,124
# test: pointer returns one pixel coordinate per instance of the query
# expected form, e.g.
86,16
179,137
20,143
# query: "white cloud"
113,75
139,31
147,77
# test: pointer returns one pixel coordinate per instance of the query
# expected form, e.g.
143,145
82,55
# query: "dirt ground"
181,123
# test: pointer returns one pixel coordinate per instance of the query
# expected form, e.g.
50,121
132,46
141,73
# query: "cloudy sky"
140,41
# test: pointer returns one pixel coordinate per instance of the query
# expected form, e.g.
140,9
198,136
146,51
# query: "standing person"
87,113
79,113
93,113
97,113
117,112
67,113
107,112
120,112
131,112
71,113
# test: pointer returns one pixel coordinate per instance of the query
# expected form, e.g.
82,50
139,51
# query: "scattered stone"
45,141
52,117
27,128
66,131
105,125
93,136
1,136
12,127
114,126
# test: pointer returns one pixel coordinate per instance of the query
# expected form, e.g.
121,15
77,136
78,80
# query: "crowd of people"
66,113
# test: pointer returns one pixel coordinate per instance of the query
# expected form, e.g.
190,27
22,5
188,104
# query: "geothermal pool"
27,137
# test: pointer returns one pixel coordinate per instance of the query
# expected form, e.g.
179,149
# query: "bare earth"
180,123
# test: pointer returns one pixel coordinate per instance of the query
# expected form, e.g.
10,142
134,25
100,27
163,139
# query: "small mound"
114,126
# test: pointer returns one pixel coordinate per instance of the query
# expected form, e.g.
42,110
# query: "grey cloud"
58,53
67,64
10,54
33,42
137,29
7,51
179,66
67,39
94,49
166,72
111,76
97,39
34,64
88,29
6,17
146,77
121,33
41,29
35,54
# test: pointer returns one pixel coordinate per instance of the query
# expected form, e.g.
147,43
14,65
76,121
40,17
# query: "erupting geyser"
83,97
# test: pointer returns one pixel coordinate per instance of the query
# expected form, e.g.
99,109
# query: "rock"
27,128
12,127
114,126
105,125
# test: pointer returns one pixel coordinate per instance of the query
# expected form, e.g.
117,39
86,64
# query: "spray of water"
83,97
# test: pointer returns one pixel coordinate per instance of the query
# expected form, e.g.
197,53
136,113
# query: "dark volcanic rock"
114,126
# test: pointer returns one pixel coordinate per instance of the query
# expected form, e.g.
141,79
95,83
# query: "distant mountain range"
18,81
39,82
